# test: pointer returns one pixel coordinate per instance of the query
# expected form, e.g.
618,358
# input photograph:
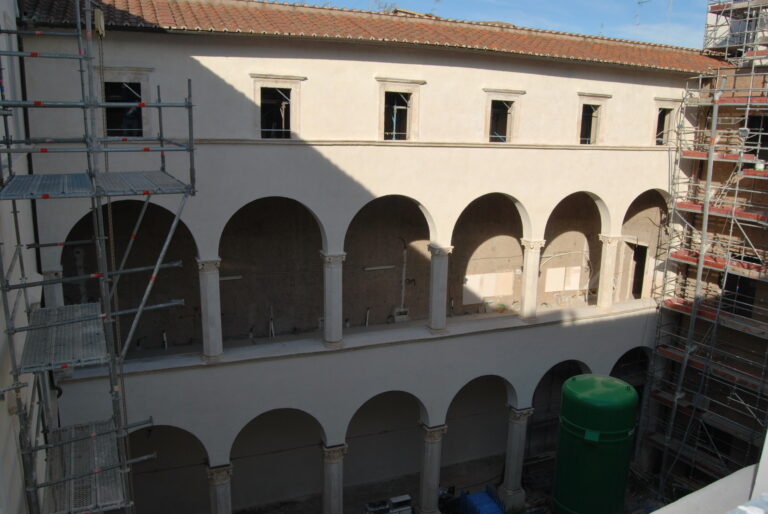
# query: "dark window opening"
123,121
739,292
500,114
639,256
588,134
275,113
662,126
757,140
396,106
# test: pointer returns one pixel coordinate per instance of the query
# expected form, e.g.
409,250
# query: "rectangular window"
275,113
123,121
501,115
662,126
396,112
589,122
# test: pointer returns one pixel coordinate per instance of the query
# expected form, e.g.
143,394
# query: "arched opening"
485,268
277,462
386,272
570,261
475,444
385,443
636,259
271,271
177,479
541,445
632,368
159,331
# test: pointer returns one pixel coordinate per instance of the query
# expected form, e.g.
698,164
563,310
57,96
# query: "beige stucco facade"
335,165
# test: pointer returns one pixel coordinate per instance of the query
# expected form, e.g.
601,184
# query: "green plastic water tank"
597,421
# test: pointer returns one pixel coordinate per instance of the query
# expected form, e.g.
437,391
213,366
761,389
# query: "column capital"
609,240
220,475
209,265
438,250
520,415
333,258
334,453
434,434
532,244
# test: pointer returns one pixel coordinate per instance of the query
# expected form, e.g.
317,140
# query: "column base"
420,511
211,359
333,345
512,498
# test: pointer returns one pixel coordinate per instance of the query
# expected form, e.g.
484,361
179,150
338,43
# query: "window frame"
601,101
130,74
513,118
407,86
291,82
674,106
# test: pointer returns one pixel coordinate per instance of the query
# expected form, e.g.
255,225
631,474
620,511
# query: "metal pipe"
153,278
117,273
131,239
690,343
172,303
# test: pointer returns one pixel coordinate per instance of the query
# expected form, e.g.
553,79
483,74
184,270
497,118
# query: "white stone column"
438,286
607,270
332,300
220,487
511,490
333,479
531,263
210,309
430,469
53,293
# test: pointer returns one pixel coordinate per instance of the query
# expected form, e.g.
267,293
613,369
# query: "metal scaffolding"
86,466
706,409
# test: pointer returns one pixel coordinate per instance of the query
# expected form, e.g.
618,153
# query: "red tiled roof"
301,21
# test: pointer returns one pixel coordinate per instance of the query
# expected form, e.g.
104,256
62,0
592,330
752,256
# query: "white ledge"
270,76
361,339
401,81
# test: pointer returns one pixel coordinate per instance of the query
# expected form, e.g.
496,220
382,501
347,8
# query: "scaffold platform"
84,470
79,185
60,344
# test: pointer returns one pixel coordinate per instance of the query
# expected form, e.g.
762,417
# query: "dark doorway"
640,254
739,295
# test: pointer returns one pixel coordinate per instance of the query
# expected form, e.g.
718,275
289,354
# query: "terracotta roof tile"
258,17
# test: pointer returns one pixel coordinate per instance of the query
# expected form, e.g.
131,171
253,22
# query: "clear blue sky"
674,22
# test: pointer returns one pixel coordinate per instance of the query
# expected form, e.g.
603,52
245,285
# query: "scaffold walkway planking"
718,263
94,461
709,313
78,185
64,345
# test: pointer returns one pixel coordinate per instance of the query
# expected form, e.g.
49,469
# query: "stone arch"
485,267
570,260
632,367
543,423
642,234
320,224
271,270
283,447
387,267
475,442
168,329
385,438
176,480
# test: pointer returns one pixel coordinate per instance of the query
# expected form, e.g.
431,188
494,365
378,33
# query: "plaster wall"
12,499
335,165
331,385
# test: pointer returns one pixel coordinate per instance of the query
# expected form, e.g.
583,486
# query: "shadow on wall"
486,265
163,329
570,261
